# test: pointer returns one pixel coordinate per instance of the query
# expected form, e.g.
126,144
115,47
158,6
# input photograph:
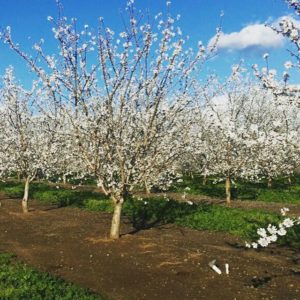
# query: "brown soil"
166,262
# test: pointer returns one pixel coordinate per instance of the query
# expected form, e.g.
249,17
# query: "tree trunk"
269,182
64,179
204,180
147,189
290,180
26,196
228,189
116,219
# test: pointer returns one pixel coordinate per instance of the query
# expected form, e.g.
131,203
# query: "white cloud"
250,37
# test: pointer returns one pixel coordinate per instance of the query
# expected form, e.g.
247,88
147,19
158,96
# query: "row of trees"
128,111
243,132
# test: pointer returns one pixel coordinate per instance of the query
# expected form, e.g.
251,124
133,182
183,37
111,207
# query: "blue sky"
199,19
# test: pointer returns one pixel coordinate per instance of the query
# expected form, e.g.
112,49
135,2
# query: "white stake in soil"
212,264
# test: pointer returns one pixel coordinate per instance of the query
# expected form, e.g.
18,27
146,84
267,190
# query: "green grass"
18,281
285,196
49,194
104,205
281,191
242,223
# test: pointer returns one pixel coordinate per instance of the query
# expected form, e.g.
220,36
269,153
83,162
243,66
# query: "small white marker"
227,268
214,267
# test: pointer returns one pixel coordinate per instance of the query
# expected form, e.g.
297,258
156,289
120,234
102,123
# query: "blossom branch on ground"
272,233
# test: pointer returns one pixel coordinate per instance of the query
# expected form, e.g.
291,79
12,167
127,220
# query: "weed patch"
18,281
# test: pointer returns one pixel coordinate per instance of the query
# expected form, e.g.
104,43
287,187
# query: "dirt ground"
166,262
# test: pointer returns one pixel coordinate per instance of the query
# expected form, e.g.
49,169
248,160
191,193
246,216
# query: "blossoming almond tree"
227,131
125,112
278,145
136,127
25,141
243,132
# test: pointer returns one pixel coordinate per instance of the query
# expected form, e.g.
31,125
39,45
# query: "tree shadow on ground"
153,212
